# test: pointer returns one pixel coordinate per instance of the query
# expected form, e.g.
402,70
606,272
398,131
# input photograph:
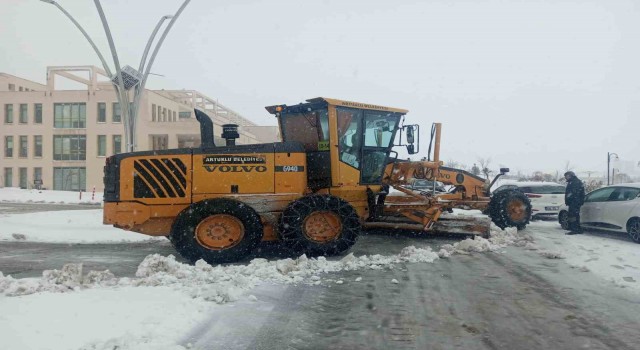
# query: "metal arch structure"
128,111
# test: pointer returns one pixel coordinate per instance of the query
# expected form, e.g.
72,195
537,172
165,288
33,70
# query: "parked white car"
546,197
613,208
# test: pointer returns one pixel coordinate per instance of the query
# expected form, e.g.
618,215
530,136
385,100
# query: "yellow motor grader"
334,173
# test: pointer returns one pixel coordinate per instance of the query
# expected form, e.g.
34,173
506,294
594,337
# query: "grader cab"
315,191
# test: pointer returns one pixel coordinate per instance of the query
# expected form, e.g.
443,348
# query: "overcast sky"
530,84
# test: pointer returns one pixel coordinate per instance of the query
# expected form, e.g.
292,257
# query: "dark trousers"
574,218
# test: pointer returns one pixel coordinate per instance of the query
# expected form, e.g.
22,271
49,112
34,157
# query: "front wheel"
217,230
563,219
633,229
510,208
320,225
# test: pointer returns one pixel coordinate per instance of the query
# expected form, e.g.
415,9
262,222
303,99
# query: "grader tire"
320,225
217,230
510,208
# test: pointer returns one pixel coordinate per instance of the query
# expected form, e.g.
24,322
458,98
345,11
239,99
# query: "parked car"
613,208
425,185
546,197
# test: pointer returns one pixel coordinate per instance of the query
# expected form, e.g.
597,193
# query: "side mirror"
411,138
410,135
504,170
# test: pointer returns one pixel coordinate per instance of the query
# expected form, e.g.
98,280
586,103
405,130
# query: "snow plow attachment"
446,225
463,225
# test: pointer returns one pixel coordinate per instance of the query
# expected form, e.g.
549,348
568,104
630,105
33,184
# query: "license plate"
551,208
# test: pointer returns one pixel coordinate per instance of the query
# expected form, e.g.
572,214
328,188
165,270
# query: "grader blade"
461,225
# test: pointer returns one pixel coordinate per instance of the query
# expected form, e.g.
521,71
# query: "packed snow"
17,195
70,226
611,256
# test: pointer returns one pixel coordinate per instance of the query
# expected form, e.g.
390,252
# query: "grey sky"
530,84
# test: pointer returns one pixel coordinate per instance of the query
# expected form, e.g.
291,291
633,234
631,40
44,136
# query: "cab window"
310,128
379,129
350,136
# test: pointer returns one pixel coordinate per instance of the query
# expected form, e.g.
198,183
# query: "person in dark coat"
574,199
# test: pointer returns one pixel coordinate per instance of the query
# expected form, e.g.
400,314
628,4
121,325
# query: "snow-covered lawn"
16,195
70,226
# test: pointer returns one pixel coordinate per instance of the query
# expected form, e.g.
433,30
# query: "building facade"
59,139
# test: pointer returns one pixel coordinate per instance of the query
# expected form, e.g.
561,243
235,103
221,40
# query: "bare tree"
452,164
568,166
484,164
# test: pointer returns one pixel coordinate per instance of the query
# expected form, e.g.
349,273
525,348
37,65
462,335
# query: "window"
24,147
70,115
20,88
70,179
102,145
350,135
8,177
37,146
69,147
24,118
22,174
311,128
8,146
153,112
174,116
184,115
159,113
159,142
102,112
545,189
601,195
12,87
37,113
379,129
8,113
623,194
164,114
37,177
117,113
37,173
117,144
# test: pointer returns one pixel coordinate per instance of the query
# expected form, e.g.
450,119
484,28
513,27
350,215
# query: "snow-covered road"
546,291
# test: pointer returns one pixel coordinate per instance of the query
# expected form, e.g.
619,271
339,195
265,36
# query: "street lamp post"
128,111
609,154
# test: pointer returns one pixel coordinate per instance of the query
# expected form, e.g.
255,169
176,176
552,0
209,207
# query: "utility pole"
609,154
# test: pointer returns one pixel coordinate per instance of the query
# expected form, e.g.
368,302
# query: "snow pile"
218,283
17,195
498,239
69,226
69,278
222,284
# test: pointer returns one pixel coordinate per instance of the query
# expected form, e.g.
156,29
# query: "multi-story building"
59,139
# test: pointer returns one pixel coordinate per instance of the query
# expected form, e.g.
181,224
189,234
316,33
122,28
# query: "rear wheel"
217,230
633,229
510,208
320,225
563,219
